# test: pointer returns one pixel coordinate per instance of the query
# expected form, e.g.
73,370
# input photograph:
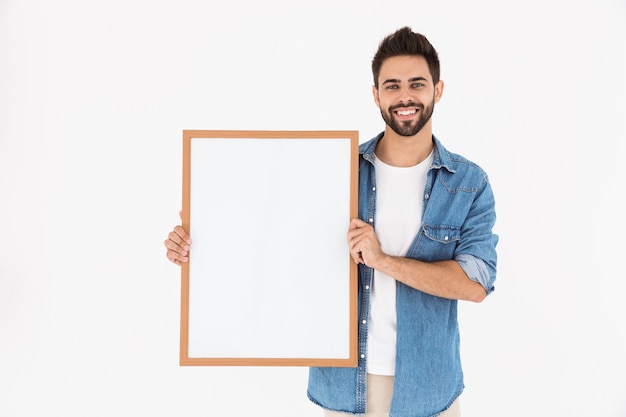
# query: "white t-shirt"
398,218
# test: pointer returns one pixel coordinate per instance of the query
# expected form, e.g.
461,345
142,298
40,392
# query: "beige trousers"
379,390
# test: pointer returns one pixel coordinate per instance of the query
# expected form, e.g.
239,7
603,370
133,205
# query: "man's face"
406,94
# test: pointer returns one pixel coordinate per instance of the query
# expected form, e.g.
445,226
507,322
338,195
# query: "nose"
405,96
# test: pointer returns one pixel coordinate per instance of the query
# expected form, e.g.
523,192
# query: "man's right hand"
177,244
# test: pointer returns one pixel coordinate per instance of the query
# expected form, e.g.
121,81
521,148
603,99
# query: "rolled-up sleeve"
476,270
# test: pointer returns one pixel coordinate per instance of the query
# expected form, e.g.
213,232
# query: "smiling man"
405,97
423,241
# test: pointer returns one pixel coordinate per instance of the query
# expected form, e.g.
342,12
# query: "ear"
438,90
375,94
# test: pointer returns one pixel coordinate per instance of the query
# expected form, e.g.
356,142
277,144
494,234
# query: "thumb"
357,223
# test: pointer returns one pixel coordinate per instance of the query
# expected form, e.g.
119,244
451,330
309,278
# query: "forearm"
444,279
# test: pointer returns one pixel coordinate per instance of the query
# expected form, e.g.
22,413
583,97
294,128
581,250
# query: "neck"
404,151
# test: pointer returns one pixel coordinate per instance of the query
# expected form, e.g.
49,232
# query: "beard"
409,127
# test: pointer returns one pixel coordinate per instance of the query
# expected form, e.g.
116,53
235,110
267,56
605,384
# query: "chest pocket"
436,243
442,234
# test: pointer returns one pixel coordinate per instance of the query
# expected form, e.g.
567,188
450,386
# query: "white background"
93,100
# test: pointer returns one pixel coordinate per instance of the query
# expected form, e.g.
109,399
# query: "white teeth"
406,112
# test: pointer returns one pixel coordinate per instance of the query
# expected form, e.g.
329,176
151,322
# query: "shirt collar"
441,157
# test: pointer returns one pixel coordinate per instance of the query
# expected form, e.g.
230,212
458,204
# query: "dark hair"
406,42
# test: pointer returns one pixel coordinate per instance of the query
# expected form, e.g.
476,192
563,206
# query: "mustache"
404,105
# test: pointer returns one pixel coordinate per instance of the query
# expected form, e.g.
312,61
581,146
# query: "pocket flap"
443,234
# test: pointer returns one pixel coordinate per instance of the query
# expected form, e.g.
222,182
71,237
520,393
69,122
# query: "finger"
355,237
359,227
357,223
354,234
175,247
356,241
354,246
356,256
176,257
173,241
182,233
177,244
361,236
179,236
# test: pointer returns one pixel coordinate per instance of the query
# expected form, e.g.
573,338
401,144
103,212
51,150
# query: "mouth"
405,113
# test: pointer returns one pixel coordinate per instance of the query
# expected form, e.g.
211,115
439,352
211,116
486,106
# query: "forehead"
404,67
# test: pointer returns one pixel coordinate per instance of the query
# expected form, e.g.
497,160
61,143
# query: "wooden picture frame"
270,280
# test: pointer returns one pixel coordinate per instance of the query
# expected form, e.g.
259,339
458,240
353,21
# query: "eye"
392,87
418,85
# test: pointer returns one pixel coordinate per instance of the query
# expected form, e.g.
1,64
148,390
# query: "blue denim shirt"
457,221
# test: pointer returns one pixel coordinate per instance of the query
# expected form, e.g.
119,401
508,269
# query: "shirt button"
364,321
367,287
371,220
445,238
426,196
362,356
373,188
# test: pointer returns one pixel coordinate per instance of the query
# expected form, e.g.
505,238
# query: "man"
423,240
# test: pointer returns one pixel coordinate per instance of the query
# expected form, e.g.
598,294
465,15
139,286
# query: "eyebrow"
395,80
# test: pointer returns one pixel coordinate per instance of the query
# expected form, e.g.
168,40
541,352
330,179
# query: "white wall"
93,100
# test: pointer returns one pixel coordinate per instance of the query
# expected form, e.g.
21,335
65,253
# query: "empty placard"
270,280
